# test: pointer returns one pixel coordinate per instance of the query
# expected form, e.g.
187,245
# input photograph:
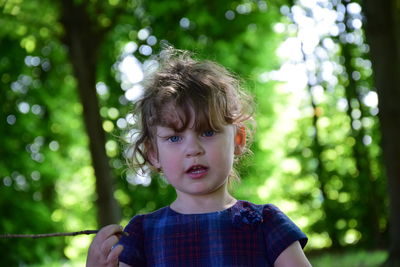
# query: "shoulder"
266,211
245,212
154,214
278,224
139,220
271,212
157,213
267,207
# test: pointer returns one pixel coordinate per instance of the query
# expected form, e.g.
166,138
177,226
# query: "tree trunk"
368,187
383,35
83,42
321,171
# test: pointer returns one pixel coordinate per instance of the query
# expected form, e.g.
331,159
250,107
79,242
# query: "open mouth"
197,170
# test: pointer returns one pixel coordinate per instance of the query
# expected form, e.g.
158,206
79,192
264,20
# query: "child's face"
196,163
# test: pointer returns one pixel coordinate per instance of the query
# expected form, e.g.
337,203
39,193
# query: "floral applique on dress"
246,215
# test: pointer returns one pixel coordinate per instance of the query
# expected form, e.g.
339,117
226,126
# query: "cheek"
169,163
223,153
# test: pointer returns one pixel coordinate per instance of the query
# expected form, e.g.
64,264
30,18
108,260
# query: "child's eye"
209,133
174,138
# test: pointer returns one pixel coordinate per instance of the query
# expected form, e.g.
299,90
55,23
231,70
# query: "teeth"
197,169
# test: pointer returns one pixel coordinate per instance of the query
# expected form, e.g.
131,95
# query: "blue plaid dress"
243,235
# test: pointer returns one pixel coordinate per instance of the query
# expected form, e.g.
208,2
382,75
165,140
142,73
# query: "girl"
194,124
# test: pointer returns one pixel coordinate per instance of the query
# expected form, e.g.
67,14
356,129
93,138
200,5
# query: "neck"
203,203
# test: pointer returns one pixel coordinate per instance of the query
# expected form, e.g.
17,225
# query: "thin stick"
86,232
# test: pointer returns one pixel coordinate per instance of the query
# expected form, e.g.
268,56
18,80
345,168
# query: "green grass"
351,258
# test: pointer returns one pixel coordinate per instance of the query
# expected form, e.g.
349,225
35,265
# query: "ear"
152,155
240,140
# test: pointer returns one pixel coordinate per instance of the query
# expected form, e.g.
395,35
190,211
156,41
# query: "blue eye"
209,133
174,139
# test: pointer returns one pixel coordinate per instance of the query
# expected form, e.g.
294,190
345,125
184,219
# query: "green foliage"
352,258
26,193
44,142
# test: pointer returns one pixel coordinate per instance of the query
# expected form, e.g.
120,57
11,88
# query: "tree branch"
86,232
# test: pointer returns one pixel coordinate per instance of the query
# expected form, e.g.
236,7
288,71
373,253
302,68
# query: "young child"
194,124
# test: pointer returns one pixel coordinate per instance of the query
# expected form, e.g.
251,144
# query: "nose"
194,148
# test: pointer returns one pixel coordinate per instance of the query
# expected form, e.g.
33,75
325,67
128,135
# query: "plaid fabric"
243,235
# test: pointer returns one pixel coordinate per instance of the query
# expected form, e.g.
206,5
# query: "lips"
197,171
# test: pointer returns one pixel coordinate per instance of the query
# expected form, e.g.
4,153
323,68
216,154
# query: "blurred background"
324,74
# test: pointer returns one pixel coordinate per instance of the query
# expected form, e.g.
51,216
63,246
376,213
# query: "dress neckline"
205,213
